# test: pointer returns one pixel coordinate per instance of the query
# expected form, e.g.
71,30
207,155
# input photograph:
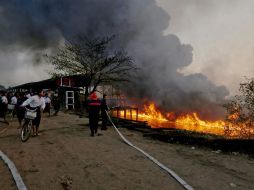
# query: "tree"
93,59
240,111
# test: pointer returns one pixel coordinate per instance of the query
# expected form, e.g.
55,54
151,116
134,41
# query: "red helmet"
93,96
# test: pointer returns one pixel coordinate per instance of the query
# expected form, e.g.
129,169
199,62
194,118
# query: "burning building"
184,100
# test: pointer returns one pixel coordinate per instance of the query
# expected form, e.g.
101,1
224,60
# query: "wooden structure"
127,113
52,84
67,88
70,90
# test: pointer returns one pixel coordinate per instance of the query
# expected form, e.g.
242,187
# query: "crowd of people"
15,104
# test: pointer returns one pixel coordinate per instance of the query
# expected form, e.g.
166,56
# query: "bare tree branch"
93,59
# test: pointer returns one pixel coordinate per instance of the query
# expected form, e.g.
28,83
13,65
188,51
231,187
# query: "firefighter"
56,103
94,110
104,109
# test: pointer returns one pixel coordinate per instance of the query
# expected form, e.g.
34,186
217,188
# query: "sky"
221,34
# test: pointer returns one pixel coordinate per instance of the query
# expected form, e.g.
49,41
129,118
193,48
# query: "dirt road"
64,156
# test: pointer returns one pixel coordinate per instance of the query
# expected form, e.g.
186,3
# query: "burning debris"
240,112
191,122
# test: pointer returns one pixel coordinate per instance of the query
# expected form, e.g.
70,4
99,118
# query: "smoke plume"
139,27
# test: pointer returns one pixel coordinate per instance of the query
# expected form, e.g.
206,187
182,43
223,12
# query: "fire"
194,123
191,122
188,122
151,113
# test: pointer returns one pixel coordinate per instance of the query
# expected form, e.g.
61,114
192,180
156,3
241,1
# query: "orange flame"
191,122
194,123
152,114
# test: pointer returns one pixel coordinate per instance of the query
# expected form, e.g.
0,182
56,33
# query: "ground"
64,156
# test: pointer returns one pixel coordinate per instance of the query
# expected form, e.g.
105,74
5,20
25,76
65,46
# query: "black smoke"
139,27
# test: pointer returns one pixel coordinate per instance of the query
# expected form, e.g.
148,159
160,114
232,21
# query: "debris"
49,142
193,148
233,185
66,182
33,170
217,151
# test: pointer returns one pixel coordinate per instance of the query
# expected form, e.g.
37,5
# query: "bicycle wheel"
26,131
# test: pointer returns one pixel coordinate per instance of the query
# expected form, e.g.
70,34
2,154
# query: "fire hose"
169,171
21,186
15,174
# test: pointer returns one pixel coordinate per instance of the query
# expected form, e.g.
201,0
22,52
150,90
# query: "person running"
36,102
47,103
4,105
14,101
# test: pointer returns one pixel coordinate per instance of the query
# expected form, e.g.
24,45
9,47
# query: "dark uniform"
94,110
104,116
56,104
20,110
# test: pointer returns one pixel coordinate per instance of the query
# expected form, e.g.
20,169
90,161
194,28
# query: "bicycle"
11,110
30,115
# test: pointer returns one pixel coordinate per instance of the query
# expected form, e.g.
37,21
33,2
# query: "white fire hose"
15,174
171,172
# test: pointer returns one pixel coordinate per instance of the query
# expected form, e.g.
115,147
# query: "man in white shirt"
4,105
4,99
28,95
47,102
14,102
36,102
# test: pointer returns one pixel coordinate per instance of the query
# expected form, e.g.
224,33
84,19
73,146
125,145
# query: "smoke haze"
35,26
221,34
